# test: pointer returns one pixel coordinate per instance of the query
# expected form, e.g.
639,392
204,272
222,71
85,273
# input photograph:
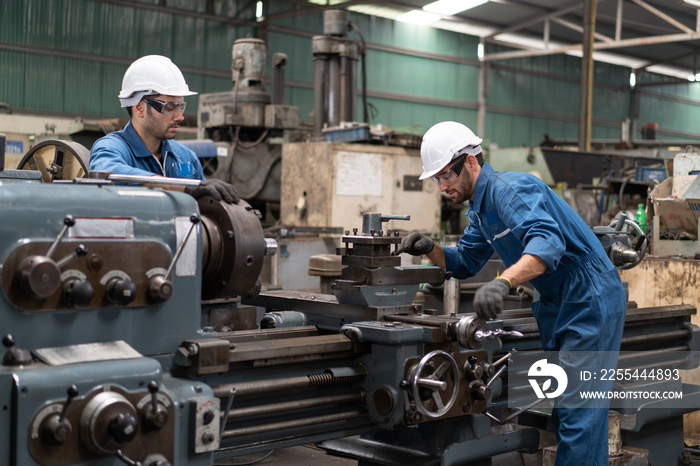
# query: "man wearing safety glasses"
540,239
153,92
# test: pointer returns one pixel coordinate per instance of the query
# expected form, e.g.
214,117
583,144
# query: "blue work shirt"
123,152
516,213
582,301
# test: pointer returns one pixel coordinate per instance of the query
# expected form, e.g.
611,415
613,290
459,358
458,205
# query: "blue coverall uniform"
582,301
124,153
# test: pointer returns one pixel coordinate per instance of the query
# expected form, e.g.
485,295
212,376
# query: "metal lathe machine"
136,332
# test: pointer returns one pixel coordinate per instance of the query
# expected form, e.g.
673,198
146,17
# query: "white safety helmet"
152,74
444,142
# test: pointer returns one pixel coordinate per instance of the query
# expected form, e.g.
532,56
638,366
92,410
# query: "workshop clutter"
675,206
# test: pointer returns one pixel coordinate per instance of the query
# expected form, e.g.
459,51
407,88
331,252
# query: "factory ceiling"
659,36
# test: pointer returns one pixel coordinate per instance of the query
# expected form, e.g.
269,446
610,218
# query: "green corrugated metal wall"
68,57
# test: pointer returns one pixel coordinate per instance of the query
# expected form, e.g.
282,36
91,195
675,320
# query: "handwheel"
438,373
57,160
642,242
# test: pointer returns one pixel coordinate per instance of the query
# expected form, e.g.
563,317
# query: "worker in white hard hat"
540,239
153,93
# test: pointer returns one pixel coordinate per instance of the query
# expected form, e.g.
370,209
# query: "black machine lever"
156,417
80,251
56,429
68,222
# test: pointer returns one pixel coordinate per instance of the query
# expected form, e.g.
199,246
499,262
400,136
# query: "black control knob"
121,291
78,293
123,427
208,417
15,356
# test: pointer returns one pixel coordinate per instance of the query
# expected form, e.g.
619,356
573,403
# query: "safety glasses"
450,175
165,107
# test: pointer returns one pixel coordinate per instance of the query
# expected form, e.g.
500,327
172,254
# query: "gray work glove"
219,190
488,300
415,244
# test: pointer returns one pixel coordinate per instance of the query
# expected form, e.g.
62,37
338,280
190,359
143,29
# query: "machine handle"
72,392
373,221
127,460
80,251
195,219
68,222
160,287
481,335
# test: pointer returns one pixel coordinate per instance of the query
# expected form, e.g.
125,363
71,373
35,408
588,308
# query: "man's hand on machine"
488,300
219,190
415,244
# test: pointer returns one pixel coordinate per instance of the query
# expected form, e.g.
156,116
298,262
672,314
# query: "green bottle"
641,218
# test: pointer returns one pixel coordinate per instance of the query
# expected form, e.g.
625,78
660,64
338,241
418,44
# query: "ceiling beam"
634,42
660,14
578,28
180,11
313,8
538,19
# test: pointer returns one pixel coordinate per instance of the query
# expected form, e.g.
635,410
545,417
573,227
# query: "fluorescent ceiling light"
669,71
325,2
418,17
523,41
374,10
613,59
464,28
451,7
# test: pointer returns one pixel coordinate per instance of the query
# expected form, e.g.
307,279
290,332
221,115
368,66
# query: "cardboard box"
675,214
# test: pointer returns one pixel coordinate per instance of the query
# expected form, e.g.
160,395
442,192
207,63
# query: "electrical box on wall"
327,184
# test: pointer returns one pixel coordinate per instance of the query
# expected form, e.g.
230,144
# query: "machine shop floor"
302,455
309,455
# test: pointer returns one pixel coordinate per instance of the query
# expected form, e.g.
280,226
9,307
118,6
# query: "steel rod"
309,421
294,405
656,337
281,384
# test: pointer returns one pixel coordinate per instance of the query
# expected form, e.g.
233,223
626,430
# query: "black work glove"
219,190
415,244
488,300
